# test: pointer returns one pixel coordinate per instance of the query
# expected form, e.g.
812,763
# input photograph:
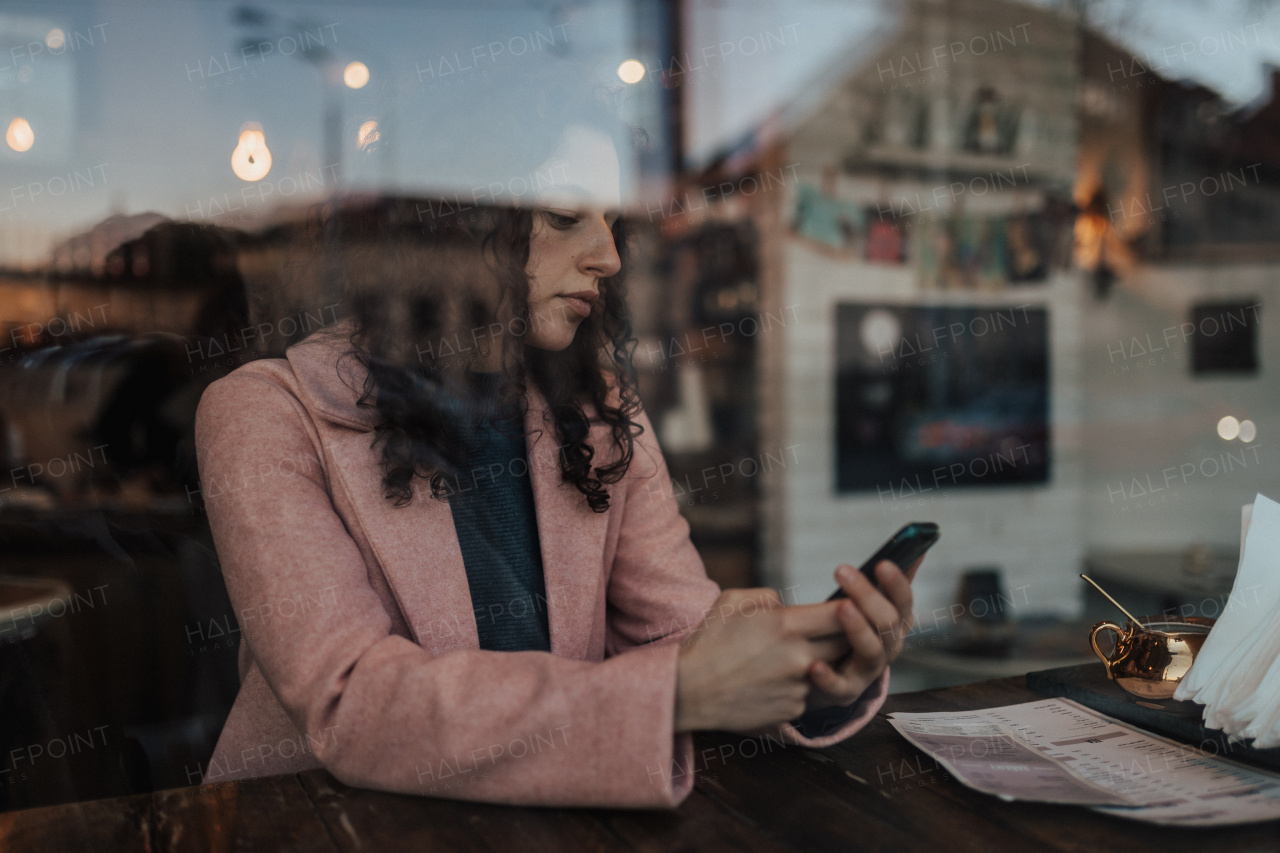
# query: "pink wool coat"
359,647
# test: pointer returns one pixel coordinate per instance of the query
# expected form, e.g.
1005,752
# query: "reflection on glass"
251,160
19,135
355,75
877,273
631,71
367,135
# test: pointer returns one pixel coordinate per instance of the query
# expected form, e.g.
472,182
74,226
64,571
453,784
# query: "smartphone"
903,548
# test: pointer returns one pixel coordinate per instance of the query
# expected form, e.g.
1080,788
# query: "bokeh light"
631,71
251,160
355,75
20,136
367,135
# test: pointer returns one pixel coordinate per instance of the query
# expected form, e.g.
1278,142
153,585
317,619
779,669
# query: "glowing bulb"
1228,428
631,71
879,332
55,38
355,75
251,160
1248,432
367,135
19,135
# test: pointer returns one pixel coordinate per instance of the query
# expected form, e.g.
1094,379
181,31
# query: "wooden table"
873,792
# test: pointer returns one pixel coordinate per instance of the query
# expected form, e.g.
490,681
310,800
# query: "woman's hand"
748,664
875,622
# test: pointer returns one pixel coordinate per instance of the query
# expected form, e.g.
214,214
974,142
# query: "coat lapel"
572,538
417,545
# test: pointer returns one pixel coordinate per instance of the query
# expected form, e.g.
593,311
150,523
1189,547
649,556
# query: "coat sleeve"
832,725
659,591
379,710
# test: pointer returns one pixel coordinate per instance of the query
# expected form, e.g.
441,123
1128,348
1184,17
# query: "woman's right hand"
745,667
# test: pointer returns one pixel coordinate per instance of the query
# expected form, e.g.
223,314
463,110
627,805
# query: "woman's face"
571,245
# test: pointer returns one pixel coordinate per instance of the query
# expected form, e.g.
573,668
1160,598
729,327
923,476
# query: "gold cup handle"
1093,641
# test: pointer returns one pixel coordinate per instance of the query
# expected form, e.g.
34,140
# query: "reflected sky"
1179,36
138,107
155,105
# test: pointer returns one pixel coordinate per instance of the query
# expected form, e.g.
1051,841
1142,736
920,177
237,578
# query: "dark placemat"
1088,684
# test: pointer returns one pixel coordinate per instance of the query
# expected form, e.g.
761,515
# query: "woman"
439,527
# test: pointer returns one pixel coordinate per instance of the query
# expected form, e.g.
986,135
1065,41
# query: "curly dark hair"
417,344
418,306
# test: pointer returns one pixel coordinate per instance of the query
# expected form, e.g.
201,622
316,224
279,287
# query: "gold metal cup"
1150,659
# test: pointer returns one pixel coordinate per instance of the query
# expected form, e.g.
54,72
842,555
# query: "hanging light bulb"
251,160
355,75
631,71
19,135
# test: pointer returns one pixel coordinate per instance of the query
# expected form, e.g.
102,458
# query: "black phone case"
903,548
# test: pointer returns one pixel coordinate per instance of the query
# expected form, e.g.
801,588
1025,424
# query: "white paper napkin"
1237,672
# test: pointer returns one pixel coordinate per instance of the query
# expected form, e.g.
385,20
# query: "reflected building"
993,159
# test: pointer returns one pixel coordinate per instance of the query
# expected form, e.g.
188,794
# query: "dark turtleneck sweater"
493,513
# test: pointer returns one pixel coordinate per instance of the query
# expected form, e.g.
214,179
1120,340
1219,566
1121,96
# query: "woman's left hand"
876,623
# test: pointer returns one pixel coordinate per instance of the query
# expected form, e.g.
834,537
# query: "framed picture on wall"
929,397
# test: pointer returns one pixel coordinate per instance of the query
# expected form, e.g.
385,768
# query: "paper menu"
1055,750
988,757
